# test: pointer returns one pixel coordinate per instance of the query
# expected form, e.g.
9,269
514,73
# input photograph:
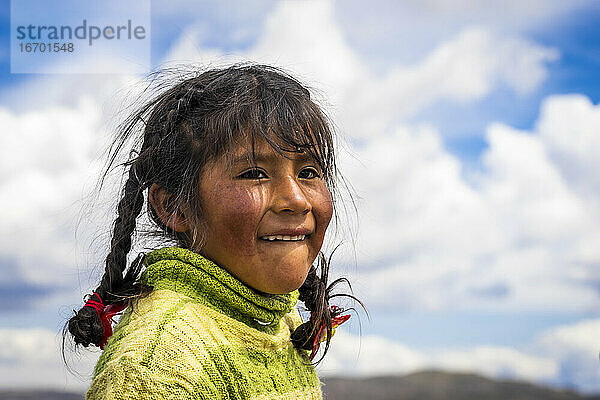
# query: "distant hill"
426,385
436,385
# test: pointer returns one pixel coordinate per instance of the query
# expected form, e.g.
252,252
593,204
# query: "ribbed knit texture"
203,334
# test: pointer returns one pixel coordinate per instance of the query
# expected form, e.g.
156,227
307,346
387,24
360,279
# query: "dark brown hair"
175,135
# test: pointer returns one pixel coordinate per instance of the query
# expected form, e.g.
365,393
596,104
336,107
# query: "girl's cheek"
237,216
323,210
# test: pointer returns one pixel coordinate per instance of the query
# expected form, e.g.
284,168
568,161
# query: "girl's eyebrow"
269,157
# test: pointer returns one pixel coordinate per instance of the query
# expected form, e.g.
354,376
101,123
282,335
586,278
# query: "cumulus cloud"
571,142
374,355
519,224
497,362
464,68
408,30
28,353
299,36
49,163
576,349
562,356
305,38
369,356
46,157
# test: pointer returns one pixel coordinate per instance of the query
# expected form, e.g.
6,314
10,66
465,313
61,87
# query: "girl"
240,173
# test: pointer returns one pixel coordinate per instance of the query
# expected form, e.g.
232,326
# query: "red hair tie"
105,313
321,335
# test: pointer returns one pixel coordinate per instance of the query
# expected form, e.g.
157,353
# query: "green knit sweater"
202,334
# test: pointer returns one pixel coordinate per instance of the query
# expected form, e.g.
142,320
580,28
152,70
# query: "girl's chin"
282,282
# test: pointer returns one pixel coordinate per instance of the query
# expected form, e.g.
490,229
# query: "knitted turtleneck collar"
184,271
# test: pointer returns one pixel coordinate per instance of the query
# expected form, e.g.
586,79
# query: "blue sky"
474,125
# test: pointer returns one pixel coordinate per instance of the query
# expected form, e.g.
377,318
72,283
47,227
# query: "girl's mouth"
284,238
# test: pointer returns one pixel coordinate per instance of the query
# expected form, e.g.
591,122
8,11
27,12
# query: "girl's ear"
162,202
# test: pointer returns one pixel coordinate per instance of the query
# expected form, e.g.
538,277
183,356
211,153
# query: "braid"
114,288
85,325
315,293
311,291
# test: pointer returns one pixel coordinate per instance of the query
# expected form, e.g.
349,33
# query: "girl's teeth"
282,237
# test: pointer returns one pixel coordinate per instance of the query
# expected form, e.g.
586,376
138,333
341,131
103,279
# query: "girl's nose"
289,197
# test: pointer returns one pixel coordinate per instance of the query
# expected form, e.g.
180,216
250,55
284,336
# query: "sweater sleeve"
123,379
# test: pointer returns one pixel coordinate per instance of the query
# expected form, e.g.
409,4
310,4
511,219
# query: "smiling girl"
238,169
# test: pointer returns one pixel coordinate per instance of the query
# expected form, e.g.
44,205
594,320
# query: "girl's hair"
188,125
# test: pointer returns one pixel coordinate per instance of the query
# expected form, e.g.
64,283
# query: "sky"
468,130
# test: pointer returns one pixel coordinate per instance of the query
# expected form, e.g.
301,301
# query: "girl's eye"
309,173
253,174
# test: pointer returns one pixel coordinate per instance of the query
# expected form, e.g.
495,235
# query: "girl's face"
247,206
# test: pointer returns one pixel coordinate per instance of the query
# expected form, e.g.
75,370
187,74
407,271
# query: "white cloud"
375,356
369,356
299,36
45,163
563,356
304,38
572,143
405,31
28,353
517,234
462,69
497,362
576,348
468,66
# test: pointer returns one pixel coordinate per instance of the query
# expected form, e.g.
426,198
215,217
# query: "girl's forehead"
245,145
